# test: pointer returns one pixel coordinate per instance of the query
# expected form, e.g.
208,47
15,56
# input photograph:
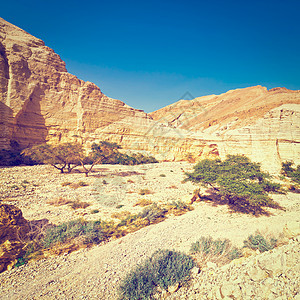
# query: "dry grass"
120,215
78,204
63,201
59,201
143,202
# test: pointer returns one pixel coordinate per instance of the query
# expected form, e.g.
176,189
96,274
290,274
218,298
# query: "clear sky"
150,53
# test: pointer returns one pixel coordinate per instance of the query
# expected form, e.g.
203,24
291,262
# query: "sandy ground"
94,273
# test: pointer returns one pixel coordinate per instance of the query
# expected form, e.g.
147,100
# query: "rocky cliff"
262,124
41,102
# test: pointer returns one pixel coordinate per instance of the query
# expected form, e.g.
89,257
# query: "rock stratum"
41,102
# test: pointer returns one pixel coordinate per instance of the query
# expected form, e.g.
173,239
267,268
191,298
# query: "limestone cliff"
262,124
41,101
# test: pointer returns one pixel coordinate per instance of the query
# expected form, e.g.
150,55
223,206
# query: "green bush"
258,241
291,172
152,213
237,181
92,232
218,251
164,268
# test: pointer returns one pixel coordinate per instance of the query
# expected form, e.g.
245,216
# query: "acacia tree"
237,180
61,156
101,153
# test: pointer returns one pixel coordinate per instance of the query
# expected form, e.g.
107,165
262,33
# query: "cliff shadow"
29,125
6,116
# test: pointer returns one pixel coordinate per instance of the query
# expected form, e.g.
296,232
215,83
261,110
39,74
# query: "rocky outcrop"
13,230
269,275
262,124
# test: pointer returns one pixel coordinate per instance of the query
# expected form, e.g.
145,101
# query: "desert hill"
42,102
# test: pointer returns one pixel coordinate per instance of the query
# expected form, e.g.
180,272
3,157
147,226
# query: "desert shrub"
237,181
292,172
79,204
143,202
78,184
91,232
219,251
162,175
59,201
153,213
95,211
14,158
164,268
66,183
258,241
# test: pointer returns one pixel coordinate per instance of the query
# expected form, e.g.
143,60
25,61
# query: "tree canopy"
236,180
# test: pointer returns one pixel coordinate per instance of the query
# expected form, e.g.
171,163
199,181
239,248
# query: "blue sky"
150,53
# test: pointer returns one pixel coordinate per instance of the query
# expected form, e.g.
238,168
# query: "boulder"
13,231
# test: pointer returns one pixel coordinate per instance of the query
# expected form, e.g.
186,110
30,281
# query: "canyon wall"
41,102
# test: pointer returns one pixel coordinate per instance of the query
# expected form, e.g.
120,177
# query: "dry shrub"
120,215
78,185
78,204
143,202
217,251
59,201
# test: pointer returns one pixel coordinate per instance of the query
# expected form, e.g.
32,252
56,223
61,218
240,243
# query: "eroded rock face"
13,230
262,124
41,101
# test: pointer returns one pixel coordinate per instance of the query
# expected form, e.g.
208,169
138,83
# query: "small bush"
162,175
78,204
258,241
94,211
143,202
153,213
59,201
78,185
218,251
164,268
292,172
66,183
91,232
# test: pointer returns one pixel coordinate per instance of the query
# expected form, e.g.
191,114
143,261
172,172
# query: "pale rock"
195,271
173,288
230,290
274,264
211,265
256,274
291,229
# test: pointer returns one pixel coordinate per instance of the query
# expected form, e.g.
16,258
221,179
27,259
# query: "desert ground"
40,191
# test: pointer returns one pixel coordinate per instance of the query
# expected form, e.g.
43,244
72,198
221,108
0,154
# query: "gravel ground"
94,273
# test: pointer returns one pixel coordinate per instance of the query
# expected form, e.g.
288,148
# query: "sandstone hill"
41,101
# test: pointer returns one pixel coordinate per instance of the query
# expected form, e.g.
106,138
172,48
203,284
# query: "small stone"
257,274
211,265
173,288
195,271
